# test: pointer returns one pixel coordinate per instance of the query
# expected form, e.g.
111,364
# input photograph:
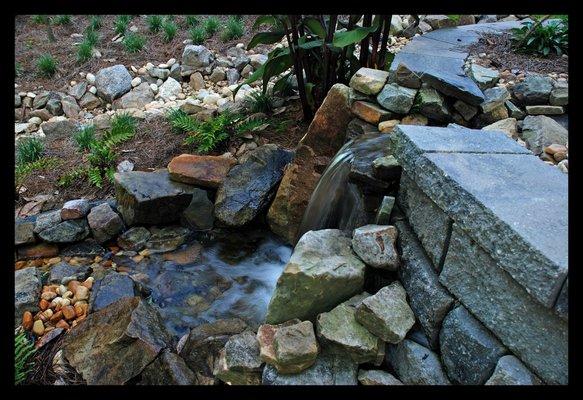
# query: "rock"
540,131
197,81
407,78
105,223
232,76
195,57
329,369
27,289
113,82
125,166
369,81
114,345
90,78
199,215
451,84
111,288
376,246
40,250
89,101
191,106
493,98
66,232
134,239
387,314
88,248
187,255
468,350
70,107
387,126
249,186
203,344
544,110
38,328
136,81
339,331
466,111
102,121
431,104
65,270
166,239
247,71
358,127
559,95
322,272
175,71
384,211
510,371
414,119
169,88
42,114
239,362
74,209
514,111
295,348
397,99
136,98
370,112
498,113
257,60
159,73
377,377
439,21
415,364
206,171
533,90
484,77
78,90
150,197
46,220
507,125
59,128
17,101
217,75
168,369
24,231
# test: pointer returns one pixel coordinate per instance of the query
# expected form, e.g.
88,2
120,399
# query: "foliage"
211,25
84,51
95,22
23,351
69,177
39,19
121,24
91,36
23,170
17,69
134,42
85,137
234,29
123,127
47,65
259,102
154,23
170,28
62,20
197,35
101,160
29,150
543,39
454,17
192,20
206,135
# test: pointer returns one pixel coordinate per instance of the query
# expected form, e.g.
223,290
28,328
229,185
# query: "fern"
123,127
182,122
23,350
94,175
68,178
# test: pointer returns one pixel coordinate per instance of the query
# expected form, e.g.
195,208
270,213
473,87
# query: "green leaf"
315,27
266,20
309,94
343,39
281,83
265,38
276,66
310,45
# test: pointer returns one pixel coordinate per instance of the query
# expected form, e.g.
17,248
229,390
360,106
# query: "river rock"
65,270
113,82
27,289
168,369
322,272
430,103
111,288
199,215
239,362
166,239
376,246
170,88
203,344
206,171
370,112
387,314
533,90
74,209
540,131
114,345
89,101
377,377
249,187
24,231
395,98
511,371
507,125
88,248
415,364
484,77
368,80
468,350
137,98
195,57
105,223
294,347
339,331
150,197
66,232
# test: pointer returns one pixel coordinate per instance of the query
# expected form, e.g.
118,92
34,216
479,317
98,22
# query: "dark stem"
364,42
385,40
295,53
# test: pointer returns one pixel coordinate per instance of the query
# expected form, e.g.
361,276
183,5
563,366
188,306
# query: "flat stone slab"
496,198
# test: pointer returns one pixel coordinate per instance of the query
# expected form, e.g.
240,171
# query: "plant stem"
385,40
295,52
531,30
364,42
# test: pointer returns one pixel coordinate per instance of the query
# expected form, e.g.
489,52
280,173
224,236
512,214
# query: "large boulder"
136,98
415,364
113,82
249,187
539,131
322,272
533,90
27,287
111,288
195,57
114,345
150,198
105,223
206,171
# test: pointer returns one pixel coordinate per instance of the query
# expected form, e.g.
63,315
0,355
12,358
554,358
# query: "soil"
502,56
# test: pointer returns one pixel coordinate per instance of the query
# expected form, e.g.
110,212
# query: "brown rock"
555,148
81,308
387,126
48,296
69,312
27,320
40,250
88,283
197,81
73,285
63,324
207,171
58,316
370,112
51,333
82,293
560,156
43,304
187,255
265,337
414,119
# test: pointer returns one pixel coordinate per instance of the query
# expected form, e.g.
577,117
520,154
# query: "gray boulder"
415,364
376,245
397,99
239,362
65,270
533,90
111,288
47,220
105,223
539,131
27,289
113,82
510,371
138,97
195,57
66,232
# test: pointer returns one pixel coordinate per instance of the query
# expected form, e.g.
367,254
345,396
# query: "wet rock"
166,239
387,314
377,377
368,80
105,223
507,125
533,90
203,344
114,345
150,197
65,270
376,246
66,232
468,350
386,168
249,187
199,215
322,272
134,239
484,77
87,248
431,103
24,231
113,82
74,209
415,364
339,331
40,250
168,369
384,211
27,289
111,288
540,131
206,171
239,362
395,98
187,255
510,371
138,97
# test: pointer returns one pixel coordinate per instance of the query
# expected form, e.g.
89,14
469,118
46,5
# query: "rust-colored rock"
43,304
58,316
69,312
40,250
27,320
207,171
62,324
80,308
370,112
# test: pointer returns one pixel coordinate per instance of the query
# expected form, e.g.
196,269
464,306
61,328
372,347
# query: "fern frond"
94,175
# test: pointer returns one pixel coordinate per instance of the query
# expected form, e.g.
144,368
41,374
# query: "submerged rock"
168,238
134,239
66,232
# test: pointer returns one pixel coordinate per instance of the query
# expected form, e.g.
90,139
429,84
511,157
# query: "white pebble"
134,69
93,90
171,62
136,81
154,87
31,95
90,78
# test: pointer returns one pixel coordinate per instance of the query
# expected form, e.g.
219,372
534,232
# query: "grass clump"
169,29
234,29
85,137
154,23
62,20
258,101
197,35
47,65
121,24
29,150
91,36
192,20
84,51
211,25
95,22
134,42
23,351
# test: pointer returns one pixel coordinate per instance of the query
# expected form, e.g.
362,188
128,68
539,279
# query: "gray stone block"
510,371
532,332
415,364
562,305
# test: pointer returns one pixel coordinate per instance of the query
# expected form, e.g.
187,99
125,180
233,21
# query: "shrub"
211,25
62,20
47,65
95,22
234,29
259,102
91,36
84,51
170,28
121,24
192,20
29,150
154,23
85,137
536,38
23,351
197,35
134,42
101,160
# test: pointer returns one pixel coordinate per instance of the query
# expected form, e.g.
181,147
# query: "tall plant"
321,51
